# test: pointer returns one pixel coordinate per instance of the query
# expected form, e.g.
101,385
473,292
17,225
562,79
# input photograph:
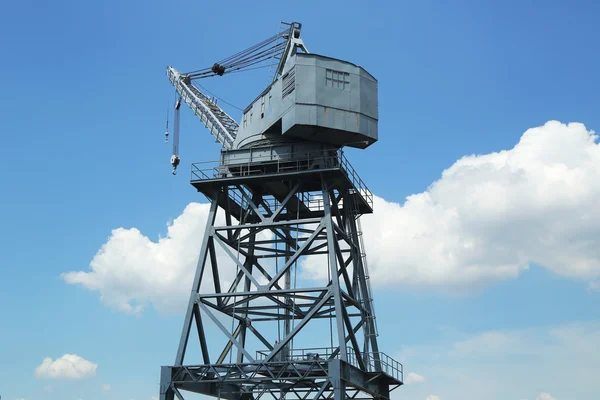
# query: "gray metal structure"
288,198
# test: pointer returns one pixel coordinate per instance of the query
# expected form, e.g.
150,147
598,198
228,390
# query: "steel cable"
263,51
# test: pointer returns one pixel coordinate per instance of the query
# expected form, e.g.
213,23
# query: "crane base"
326,379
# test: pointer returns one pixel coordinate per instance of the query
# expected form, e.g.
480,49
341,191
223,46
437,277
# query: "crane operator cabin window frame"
337,79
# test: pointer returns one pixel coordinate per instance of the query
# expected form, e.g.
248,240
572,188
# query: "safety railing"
308,354
378,362
313,201
282,163
373,361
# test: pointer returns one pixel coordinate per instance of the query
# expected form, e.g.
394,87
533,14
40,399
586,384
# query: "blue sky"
83,110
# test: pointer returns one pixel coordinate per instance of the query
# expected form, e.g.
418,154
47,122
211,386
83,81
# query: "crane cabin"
317,99
314,104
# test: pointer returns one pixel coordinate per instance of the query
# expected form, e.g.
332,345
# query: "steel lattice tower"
262,324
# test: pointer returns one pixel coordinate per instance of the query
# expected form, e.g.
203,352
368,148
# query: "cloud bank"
489,216
69,366
130,270
486,219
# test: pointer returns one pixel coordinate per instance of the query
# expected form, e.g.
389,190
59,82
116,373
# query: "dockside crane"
290,198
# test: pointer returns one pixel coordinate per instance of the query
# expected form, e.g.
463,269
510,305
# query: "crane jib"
217,121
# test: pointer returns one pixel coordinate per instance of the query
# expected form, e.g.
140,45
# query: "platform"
251,380
274,175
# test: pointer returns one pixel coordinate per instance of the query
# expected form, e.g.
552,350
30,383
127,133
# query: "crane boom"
218,122
281,47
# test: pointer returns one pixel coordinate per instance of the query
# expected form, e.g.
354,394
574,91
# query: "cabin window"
337,79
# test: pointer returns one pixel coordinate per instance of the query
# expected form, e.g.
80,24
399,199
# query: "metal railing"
308,354
281,163
374,361
378,361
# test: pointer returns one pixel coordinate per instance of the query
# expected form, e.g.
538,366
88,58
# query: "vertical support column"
248,264
333,268
166,393
335,377
287,326
192,306
287,323
369,331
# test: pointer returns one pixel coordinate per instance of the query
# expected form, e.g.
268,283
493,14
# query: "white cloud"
486,219
432,397
489,216
527,358
130,270
413,378
546,396
69,366
106,388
